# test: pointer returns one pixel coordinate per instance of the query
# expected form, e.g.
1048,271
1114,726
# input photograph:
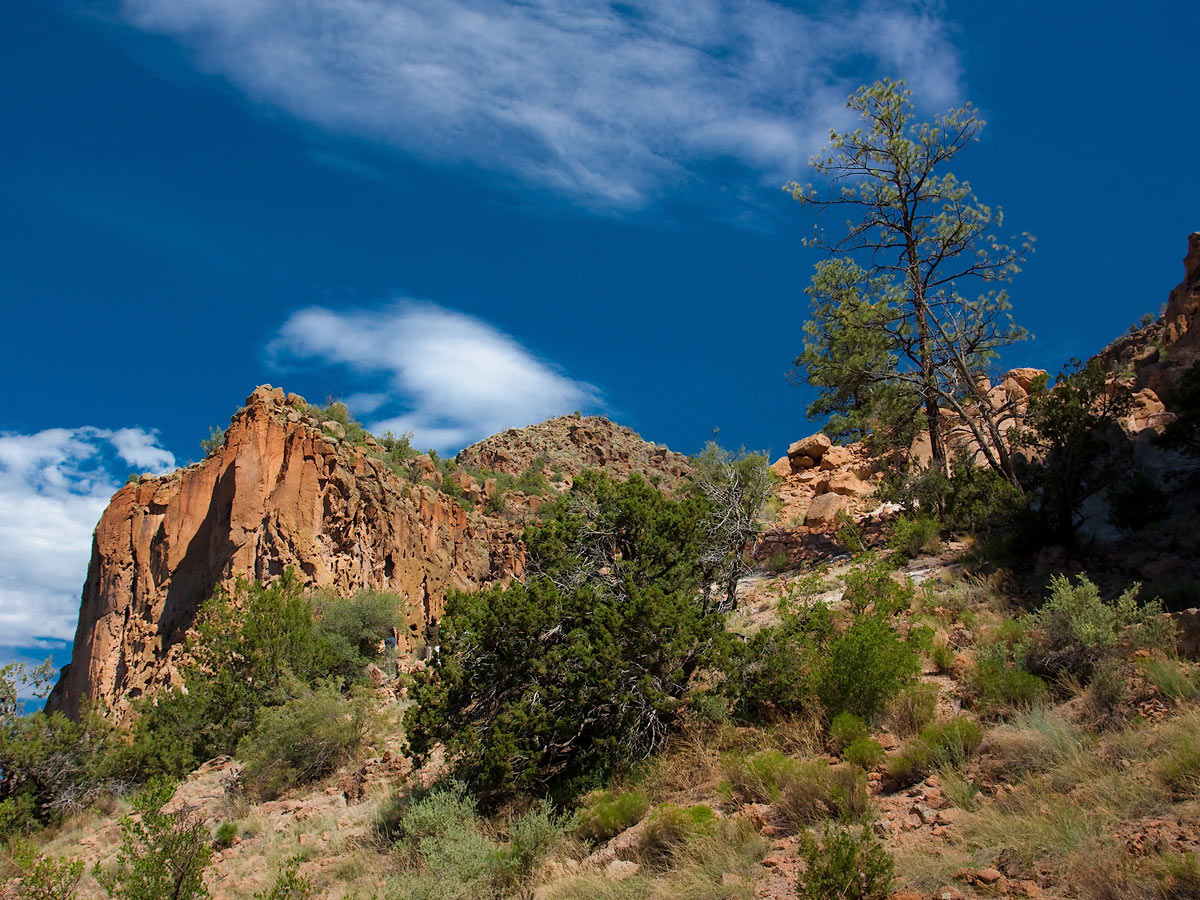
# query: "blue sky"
466,215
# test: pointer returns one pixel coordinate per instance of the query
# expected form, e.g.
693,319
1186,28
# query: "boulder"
835,458
845,483
1022,378
782,467
824,509
813,446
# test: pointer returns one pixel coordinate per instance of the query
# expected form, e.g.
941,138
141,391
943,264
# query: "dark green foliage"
972,499
605,814
999,683
44,877
844,864
552,683
533,482
1136,501
299,742
846,728
259,648
49,765
783,669
214,442
1184,432
865,666
224,836
866,753
1074,432
913,535
247,650
775,672
289,885
869,585
162,854
351,630
846,347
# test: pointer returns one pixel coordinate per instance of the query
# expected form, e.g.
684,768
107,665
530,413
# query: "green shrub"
869,585
43,877
846,728
214,442
1137,501
224,836
865,666
550,685
1107,690
162,854
999,684
776,672
972,500
912,536
912,709
912,762
50,765
249,648
807,795
352,629
336,411
405,821
670,827
844,864
866,753
606,814
759,777
1075,628
942,656
299,742
288,884
531,838
943,744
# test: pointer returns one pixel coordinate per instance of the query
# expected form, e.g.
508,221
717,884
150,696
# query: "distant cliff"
282,491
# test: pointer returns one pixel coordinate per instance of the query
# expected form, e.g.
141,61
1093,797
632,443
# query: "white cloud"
53,486
456,378
603,102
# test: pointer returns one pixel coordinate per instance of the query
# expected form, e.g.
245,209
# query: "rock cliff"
282,491
569,444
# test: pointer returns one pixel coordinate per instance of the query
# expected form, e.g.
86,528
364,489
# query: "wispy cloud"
447,377
54,484
606,103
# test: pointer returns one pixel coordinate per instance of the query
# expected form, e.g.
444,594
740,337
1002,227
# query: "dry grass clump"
912,709
718,865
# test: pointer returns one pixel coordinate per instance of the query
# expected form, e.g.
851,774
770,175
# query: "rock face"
570,444
283,491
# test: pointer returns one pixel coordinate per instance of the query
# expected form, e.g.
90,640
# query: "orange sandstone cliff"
283,491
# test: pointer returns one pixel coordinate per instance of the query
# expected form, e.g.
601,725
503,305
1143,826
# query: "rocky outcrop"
1154,356
569,444
284,491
